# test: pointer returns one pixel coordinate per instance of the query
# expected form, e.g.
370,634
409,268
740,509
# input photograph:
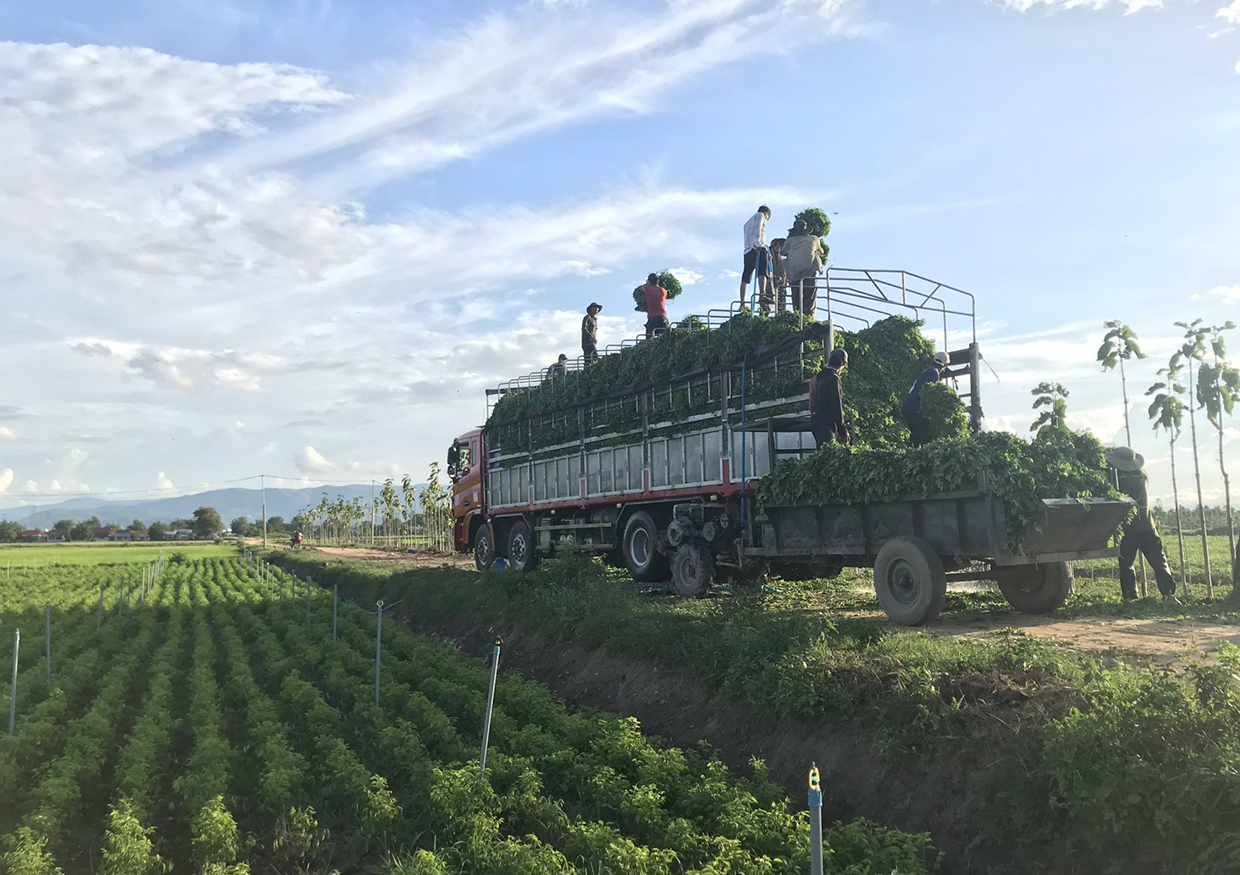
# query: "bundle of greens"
944,411
1056,464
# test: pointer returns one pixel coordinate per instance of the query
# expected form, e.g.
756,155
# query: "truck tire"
641,549
910,581
1036,589
693,570
484,548
521,553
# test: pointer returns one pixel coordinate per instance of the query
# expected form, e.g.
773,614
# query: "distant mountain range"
231,503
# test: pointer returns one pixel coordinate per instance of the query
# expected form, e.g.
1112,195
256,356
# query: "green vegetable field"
210,725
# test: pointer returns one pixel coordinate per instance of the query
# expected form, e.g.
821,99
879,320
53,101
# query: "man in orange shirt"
656,306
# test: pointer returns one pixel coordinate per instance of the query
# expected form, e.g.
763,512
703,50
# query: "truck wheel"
641,549
910,581
521,553
484,550
693,570
1036,589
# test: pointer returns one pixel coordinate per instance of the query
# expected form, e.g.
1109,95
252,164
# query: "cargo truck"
660,477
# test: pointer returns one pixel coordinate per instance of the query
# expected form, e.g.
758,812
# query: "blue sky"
301,237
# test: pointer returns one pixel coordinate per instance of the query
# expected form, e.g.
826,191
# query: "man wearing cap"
589,333
918,425
1140,533
826,415
560,368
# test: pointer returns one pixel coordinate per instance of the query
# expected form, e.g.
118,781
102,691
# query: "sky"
301,237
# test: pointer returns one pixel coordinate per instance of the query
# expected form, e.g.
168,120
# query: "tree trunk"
1231,529
1179,525
1123,381
1201,505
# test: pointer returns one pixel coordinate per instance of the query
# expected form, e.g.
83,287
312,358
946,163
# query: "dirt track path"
1161,640
413,560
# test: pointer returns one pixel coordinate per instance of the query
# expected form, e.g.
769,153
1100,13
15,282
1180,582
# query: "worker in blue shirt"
918,425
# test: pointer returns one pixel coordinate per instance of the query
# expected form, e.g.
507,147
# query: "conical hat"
1125,459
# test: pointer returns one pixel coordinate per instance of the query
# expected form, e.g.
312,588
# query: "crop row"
215,726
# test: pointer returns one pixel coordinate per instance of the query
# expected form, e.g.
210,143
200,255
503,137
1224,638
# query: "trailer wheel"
1036,589
484,549
693,570
641,549
910,581
521,553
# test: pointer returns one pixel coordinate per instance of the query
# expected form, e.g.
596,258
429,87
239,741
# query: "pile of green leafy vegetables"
885,359
1056,464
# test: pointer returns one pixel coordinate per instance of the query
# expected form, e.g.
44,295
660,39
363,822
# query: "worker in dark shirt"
918,425
589,333
826,417
1140,533
560,368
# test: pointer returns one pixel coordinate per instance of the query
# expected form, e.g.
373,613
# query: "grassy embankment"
1101,766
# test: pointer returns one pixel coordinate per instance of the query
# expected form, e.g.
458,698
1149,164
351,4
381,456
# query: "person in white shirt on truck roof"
756,258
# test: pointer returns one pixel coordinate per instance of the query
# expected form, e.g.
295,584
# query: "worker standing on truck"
589,333
803,255
918,425
826,416
756,257
1140,533
779,277
656,306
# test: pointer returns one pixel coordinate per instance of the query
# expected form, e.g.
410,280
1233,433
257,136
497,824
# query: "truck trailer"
660,477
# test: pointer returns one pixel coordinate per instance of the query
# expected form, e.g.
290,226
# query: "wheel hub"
902,582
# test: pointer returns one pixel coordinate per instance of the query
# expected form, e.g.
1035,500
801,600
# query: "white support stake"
486,724
17,639
335,609
378,649
48,627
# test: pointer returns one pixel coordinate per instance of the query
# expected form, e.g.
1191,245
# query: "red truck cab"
468,492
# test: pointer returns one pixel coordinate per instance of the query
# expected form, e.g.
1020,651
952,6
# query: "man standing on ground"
656,306
803,256
755,251
589,333
826,417
918,425
1140,533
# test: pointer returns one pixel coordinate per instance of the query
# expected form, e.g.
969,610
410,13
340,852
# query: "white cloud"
1230,12
311,461
1130,6
1226,294
30,486
1222,31
686,276
162,482
6,480
7,433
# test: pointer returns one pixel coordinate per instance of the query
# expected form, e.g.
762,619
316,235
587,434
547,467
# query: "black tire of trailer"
1036,589
484,547
910,581
640,548
522,555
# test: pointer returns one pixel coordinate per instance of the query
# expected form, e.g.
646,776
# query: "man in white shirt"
755,252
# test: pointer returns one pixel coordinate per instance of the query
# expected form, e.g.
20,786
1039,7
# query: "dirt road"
412,560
